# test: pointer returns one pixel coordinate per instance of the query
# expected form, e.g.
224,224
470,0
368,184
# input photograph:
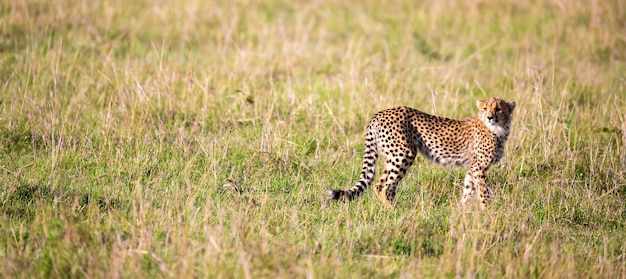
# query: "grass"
197,138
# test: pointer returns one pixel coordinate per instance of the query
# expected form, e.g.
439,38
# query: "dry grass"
196,138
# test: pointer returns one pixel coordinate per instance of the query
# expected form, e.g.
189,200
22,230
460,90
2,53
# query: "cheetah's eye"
485,108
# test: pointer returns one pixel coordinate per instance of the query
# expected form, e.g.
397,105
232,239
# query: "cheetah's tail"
367,174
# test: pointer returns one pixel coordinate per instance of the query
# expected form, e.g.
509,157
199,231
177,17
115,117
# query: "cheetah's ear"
511,106
480,104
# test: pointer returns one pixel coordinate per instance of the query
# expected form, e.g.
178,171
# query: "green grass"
197,138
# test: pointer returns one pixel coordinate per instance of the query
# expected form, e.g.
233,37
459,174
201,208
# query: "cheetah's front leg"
469,189
481,185
475,180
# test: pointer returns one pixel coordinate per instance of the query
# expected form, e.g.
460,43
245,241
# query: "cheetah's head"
496,114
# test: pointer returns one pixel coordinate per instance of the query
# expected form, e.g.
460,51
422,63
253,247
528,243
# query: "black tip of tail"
335,194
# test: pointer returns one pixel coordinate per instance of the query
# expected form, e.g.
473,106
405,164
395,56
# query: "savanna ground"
197,138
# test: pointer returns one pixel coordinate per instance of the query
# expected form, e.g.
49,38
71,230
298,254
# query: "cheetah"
400,133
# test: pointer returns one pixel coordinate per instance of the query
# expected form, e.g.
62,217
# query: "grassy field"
190,138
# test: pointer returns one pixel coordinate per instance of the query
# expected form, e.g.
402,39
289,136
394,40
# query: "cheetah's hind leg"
395,169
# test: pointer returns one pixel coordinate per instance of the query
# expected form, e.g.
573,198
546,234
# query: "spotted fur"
400,133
